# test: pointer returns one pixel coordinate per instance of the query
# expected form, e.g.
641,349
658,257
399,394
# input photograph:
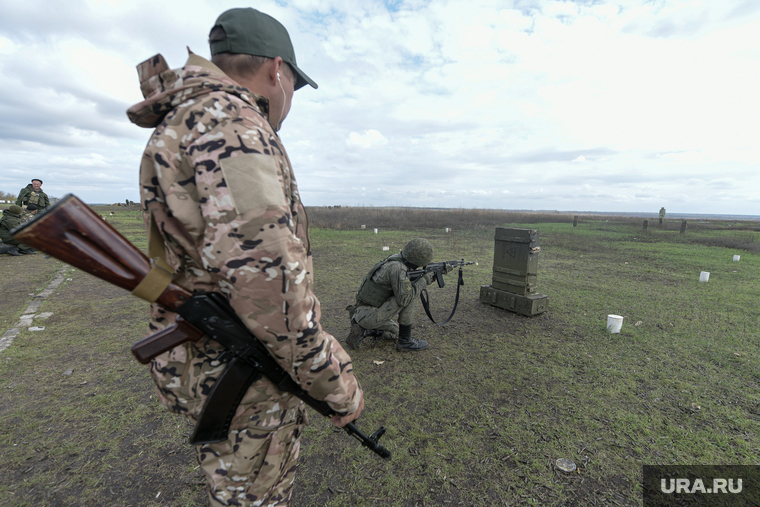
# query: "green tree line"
8,196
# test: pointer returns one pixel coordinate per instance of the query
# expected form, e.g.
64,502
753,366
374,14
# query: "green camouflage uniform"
222,191
28,195
391,276
8,222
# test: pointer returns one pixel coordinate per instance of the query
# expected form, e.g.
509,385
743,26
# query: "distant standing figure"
662,214
33,194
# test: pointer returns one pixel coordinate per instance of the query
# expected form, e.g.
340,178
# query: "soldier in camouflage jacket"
218,182
33,194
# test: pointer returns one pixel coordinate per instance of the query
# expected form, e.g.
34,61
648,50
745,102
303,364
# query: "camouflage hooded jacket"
222,191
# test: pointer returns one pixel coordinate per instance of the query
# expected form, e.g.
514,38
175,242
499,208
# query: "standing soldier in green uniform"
662,214
386,294
33,194
12,218
217,182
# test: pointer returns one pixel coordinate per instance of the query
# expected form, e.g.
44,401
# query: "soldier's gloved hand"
447,268
428,277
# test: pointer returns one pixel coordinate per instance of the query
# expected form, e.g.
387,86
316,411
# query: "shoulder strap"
160,275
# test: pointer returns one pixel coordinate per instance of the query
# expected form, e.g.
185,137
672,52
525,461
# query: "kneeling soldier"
12,218
386,293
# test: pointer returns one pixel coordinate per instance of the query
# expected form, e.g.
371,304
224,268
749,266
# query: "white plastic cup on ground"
375,231
737,257
448,229
386,248
704,276
614,323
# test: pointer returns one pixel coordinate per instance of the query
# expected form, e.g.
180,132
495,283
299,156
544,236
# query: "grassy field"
478,419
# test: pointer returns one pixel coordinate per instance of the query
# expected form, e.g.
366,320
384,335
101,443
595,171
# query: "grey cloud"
549,155
125,30
46,124
664,28
723,183
526,7
670,26
745,9
41,103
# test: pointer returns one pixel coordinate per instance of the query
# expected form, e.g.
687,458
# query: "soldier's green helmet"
418,252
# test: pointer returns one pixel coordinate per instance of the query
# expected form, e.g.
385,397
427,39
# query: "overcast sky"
620,105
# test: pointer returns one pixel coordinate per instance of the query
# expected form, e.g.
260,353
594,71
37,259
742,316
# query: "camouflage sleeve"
403,290
250,246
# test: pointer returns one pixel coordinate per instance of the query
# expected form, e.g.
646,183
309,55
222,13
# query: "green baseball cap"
251,32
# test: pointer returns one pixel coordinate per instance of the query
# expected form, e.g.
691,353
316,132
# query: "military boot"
355,336
408,344
15,251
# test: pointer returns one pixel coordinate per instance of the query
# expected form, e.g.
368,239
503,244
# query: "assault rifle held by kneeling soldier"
436,270
72,232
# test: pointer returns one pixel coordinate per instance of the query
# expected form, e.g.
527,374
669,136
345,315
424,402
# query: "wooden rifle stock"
72,232
166,339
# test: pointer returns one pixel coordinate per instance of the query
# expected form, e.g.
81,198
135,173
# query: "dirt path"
29,314
23,280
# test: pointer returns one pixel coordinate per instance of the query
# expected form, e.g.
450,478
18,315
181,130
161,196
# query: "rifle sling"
160,275
425,298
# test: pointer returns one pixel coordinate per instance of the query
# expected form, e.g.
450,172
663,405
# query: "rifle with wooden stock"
72,232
